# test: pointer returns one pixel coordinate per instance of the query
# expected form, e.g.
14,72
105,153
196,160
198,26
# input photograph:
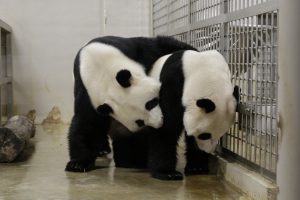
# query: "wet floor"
39,175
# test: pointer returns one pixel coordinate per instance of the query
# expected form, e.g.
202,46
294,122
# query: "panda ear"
104,109
236,94
206,104
123,78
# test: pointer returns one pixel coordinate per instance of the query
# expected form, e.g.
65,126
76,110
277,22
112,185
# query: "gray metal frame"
245,32
6,93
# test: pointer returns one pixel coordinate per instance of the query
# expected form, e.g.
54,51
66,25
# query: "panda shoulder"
157,66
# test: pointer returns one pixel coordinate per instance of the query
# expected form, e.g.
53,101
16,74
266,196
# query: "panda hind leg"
162,156
130,152
105,148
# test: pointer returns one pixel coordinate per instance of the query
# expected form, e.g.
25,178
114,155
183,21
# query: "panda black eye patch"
151,104
204,136
123,77
206,104
140,122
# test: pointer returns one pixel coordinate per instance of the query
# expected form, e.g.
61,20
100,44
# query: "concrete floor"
39,175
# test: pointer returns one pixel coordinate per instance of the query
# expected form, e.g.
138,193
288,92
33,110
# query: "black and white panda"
111,82
196,96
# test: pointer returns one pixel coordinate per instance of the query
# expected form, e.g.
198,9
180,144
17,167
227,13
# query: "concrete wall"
46,37
288,175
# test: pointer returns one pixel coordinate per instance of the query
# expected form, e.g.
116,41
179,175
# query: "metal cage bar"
6,95
245,32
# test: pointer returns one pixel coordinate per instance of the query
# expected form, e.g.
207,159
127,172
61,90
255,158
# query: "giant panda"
196,97
111,82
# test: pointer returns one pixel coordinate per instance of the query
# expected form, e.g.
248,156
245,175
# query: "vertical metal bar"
261,87
235,29
277,82
268,88
223,27
151,31
249,77
243,76
273,88
234,48
204,9
9,74
265,85
258,116
1,75
272,92
209,37
200,10
189,21
208,9
254,82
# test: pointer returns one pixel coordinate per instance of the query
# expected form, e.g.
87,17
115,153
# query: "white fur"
157,67
181,152
99,65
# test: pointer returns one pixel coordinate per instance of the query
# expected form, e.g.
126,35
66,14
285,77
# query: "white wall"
288,174
46,37
127,18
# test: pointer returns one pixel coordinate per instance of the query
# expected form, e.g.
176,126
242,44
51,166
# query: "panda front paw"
75,166
168,176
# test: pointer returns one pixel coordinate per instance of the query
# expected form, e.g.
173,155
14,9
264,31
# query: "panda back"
206,62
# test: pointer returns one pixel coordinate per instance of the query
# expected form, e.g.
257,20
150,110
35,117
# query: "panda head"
118,87
209,118
209,98
134,103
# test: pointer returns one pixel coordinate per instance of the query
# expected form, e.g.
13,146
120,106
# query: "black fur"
206,104
204,136
123,78
140,122
236,94
162,142
88,130
151,104
130,149
104,109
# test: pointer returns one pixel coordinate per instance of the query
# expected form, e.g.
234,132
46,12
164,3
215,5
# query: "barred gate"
5,72
245,32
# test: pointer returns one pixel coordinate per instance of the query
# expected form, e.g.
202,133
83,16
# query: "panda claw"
168,176
74,166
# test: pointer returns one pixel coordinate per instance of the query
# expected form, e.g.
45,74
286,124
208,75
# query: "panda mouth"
204,136
208,146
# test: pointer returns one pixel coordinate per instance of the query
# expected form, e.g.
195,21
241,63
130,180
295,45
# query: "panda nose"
204,136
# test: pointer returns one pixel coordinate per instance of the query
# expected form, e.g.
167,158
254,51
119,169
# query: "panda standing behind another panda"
197,96
111,82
